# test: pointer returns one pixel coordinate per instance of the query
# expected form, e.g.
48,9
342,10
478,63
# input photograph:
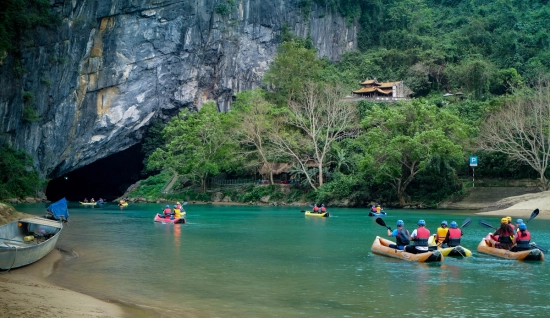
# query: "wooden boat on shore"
28,240
381,246
486,247
316,214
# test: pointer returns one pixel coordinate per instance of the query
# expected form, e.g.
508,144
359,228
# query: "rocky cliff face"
97,80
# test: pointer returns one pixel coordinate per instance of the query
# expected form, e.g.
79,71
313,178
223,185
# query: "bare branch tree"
316,120
521,130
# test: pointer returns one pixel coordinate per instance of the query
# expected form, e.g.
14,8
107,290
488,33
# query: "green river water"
249,261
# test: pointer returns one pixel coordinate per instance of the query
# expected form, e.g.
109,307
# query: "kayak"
88,203
458,251
485,247
320,215
380,246
382,213
158,218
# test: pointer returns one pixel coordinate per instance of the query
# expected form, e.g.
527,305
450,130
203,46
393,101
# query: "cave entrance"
107,178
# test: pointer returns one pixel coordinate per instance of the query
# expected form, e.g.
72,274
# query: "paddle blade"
534,214
483,223
466,223
302,211
185,203
381,222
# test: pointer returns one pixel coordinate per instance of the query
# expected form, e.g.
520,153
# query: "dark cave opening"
107,178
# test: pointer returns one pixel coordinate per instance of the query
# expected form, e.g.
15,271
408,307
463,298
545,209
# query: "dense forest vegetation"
491,51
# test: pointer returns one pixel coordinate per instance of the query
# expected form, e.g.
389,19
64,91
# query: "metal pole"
473,177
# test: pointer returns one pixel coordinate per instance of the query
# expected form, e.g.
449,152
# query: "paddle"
533,215
483,223
466,223
381,222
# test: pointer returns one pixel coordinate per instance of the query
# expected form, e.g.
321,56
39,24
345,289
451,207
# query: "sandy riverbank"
521,206
25,292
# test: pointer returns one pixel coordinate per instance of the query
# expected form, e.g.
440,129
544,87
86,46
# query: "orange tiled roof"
365,90
369,82
388,84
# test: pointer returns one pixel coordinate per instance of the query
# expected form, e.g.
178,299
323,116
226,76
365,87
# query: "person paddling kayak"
402,236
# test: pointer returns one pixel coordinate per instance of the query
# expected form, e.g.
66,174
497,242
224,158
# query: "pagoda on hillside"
386,91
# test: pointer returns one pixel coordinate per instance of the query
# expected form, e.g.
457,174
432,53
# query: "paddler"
315,208
453,236
441,233
503,236
522,239
323,208
518,222
509,218
402,236
177,212
420,237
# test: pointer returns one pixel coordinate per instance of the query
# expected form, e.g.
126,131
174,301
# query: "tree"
252,114
521,130
401,141
198,144
306,130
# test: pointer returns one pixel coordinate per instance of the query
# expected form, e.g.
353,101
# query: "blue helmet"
454,225
523,226
400,223
175,206
167,206
421,222
323,204
444,223
519,221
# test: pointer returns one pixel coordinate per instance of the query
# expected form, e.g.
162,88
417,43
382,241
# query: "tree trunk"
320,174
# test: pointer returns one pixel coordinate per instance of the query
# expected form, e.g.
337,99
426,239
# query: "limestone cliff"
98,79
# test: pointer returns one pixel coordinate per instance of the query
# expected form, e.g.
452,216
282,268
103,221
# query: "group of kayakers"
93,200
507,236
321,209
420,236
175,213
377,209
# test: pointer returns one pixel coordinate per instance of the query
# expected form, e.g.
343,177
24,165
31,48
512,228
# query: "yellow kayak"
450,251
319,215
123,204
88,203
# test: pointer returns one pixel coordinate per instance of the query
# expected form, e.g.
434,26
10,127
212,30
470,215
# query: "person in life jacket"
373,209
85,200
441,233
378,208
178,205
518,222
420,238
522,239
402,236
177,212
453,236
166,212
315,208
503,236
323,208
509,218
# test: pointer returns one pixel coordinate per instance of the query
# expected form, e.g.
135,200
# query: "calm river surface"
249,261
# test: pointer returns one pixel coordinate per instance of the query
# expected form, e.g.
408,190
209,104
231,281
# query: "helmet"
444,223
167,206
421,222
400,223
323,204
504,221
175,206
453,225
178,203
509,218
523,226
519,221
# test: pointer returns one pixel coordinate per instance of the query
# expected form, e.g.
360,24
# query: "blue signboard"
473,161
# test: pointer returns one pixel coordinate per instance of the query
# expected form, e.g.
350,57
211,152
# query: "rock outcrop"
98,79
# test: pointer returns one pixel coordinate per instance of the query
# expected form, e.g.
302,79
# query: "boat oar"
381,222
466,222
533,215
486,224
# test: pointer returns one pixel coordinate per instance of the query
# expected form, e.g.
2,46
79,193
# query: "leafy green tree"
18,178
198,144
401,141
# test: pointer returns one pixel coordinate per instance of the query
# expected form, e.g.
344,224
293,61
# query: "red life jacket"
323,209
167,211
454,237
422,236
315,209
523,241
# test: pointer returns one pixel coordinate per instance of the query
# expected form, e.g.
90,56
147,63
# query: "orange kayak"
381,246
486,247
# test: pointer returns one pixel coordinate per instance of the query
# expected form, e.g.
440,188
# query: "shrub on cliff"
18,178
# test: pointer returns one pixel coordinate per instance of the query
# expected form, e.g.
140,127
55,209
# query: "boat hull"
457,251
158,218
377,214
380,246
88,203
485,247
15,252
319,215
